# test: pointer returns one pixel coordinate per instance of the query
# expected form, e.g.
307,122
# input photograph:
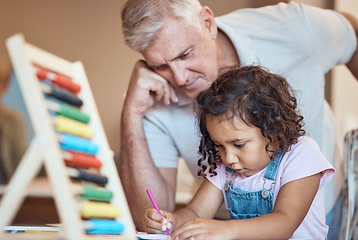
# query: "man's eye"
184,56
161,67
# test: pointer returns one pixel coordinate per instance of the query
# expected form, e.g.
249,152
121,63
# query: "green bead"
96,193
74,113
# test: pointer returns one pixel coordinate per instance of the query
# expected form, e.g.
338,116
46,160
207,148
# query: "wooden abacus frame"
44,148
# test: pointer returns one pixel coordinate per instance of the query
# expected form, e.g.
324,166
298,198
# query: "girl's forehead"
236,121
232,130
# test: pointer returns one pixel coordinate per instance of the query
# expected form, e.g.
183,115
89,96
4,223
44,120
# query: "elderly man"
185,48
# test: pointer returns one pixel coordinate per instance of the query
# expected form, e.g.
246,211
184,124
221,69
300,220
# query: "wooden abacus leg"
15,190
68,212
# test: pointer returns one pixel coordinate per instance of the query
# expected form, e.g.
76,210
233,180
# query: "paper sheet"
143,235
14,229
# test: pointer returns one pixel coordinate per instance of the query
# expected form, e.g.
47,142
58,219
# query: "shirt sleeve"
334,36
305,160
219,179
161,146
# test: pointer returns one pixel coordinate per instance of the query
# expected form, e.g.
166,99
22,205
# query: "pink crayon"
155,204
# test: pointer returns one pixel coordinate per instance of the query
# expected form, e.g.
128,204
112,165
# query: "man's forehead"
158,58
170,42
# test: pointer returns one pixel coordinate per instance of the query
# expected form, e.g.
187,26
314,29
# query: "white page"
143,235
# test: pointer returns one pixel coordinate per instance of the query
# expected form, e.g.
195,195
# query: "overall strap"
273,165
227,169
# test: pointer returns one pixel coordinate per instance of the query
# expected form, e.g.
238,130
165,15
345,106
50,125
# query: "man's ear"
207,20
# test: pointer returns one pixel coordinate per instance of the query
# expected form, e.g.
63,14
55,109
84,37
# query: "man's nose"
179,73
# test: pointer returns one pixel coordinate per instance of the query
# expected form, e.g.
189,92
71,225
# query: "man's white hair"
142,19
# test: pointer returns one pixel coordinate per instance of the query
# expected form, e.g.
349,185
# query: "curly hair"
260,99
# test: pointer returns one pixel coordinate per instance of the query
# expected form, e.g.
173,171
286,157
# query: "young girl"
259,162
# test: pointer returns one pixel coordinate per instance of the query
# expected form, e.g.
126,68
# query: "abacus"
70,142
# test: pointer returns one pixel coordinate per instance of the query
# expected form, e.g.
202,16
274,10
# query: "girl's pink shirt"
302,160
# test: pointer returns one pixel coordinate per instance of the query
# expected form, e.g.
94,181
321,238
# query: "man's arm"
353,63
136,168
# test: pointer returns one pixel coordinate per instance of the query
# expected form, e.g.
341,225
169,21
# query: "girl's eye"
239,145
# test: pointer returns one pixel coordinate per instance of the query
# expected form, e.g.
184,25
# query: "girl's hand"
202,229
155,223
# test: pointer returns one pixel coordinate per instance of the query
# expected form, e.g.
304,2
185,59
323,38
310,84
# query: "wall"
344,86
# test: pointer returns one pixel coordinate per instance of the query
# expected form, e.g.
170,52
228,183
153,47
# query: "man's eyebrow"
181,54
186,51
157,66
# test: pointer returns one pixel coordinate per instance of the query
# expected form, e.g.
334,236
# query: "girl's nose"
233,161
236,166
231,158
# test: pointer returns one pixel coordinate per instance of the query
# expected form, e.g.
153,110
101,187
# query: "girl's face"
241,147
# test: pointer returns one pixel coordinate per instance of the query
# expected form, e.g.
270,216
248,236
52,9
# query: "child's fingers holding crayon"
166,225
156,223
153,222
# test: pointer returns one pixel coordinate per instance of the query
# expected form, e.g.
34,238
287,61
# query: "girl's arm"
292,204
204,204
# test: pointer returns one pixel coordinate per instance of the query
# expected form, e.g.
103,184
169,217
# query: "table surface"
55,236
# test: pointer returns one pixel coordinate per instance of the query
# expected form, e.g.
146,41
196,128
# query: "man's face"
185,56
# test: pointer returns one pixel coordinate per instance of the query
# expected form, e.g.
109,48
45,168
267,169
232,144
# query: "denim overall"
244,204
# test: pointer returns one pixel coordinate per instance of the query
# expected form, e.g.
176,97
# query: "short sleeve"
219,179
304,160
161,146
334,35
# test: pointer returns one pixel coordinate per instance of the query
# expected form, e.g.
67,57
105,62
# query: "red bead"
67,83
41,73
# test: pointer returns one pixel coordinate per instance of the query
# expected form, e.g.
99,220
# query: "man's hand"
145,88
